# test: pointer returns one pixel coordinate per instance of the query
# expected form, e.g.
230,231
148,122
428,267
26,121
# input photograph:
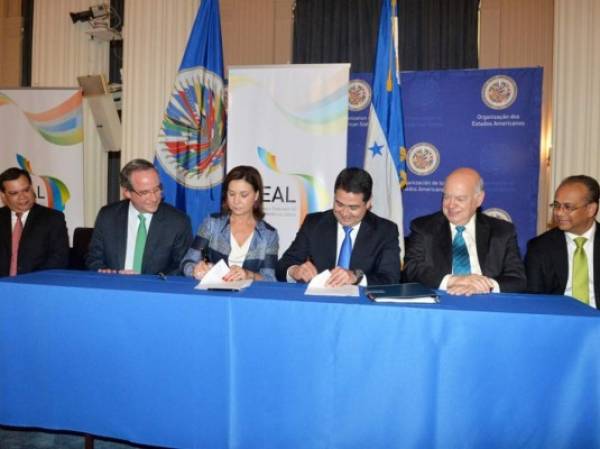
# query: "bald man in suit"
461,250
550,256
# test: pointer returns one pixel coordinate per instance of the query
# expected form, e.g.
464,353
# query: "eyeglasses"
567,207
146,193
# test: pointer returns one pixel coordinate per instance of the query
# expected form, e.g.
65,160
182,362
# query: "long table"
156,362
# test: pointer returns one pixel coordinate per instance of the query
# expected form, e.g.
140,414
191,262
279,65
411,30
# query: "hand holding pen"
202,267
304,272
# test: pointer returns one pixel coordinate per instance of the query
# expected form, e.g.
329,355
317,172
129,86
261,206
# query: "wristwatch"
359,275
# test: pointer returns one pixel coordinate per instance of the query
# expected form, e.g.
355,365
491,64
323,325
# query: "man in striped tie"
460,249
140,234
32,237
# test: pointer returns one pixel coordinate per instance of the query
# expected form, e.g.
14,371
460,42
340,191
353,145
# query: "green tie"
140,244
580,272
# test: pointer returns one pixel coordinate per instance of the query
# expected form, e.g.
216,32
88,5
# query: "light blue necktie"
346,249
460,255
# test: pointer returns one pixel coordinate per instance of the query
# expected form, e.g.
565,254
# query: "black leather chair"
81,243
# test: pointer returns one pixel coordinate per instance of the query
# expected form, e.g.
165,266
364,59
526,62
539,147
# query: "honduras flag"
385,153
190,151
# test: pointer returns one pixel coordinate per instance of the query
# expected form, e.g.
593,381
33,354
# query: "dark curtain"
433,34
327,31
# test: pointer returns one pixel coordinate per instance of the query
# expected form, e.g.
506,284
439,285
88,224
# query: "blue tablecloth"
157,362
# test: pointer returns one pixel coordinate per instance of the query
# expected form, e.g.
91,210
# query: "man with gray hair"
462,250
140,234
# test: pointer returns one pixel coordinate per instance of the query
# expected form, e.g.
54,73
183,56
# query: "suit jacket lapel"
482,237
360,249
443,244
32,218
121,237
561,256
154,235
597,265
329,240
5,228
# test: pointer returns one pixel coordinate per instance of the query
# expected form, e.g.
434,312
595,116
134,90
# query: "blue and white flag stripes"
190,153
385,152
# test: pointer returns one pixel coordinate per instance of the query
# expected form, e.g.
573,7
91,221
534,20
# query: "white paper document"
317,287
213,279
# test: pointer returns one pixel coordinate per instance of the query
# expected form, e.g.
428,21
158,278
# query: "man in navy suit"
140,234
550,256
488,246
38,234
372,253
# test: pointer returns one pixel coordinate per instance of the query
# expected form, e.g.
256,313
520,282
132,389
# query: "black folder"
411,292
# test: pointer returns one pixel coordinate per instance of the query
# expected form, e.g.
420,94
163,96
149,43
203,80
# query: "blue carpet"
11,438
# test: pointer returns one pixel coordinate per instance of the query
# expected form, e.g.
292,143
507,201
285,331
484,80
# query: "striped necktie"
460,255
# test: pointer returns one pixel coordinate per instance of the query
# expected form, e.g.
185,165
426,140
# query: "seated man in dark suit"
140,234
461,250
32,237
357,245
566,260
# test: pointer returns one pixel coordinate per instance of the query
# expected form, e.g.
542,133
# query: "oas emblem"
191,143
499,92
359,95
498,213
423,159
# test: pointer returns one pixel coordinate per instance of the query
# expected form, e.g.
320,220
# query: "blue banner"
485,119
190,153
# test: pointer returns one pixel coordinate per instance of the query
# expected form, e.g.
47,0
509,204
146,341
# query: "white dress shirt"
341,235
133,222
13,218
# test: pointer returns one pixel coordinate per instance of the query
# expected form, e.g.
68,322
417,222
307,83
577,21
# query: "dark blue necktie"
460,255
346,249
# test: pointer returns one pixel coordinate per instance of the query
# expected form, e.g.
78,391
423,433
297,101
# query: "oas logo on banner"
498,213
423,158
191,143
499,92
359,95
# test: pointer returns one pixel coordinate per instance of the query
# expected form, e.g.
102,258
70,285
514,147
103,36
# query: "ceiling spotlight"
92,13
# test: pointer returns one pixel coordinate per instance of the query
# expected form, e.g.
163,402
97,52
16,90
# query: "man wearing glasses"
565,260
460,249
139,234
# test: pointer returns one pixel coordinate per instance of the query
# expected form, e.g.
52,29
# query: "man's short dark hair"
355,180
11,174
590,183
130,167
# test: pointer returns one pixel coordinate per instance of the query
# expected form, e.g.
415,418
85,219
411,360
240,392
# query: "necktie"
16,239
460,255
346,249
580,272
140,244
